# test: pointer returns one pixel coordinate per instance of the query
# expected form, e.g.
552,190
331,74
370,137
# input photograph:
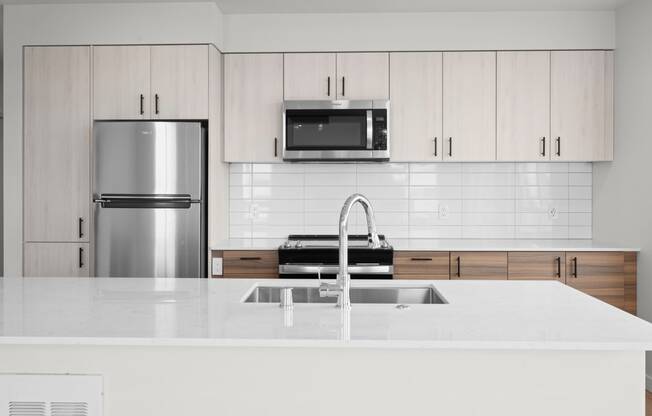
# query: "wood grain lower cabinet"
631,271
599,274
425,265
478,265
537,266
56,260
249,264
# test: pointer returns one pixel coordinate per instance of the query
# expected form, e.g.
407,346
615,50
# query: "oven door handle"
334,269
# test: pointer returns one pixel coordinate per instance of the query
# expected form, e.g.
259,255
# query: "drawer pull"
250,258
81,258
558,260
421,259
459,266
574,272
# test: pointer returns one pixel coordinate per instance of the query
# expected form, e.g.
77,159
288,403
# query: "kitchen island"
170,347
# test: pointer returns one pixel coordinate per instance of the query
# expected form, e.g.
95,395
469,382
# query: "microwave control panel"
380,129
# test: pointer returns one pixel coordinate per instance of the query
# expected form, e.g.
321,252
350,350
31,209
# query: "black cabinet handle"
81,227
421,259
574,272
142,104
558,146
250,258
543,147
558,260
435,141
343,86
275,146
328,88
450,147
459,266
156,103
81,257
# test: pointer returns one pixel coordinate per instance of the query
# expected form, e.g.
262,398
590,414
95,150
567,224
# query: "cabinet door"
56,260
416,106
57,94
121,82
179,82
470,106
601,275
253,96
582,105
479,265
536,266
421,265
363,76
309,76
251,264
523,110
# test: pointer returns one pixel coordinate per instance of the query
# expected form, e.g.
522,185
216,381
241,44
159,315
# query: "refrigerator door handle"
144,201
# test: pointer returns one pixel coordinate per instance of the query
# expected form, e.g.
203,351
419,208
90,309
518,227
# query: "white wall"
418,31
622,201
68,24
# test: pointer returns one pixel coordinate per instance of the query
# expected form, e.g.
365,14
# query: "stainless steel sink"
379,295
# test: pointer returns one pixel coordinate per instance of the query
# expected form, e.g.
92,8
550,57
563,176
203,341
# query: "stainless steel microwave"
336,130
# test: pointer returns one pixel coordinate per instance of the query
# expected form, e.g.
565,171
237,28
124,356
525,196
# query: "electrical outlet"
216,266
443,211
553,213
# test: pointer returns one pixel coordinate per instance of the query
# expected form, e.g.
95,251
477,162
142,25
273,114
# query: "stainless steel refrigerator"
149,193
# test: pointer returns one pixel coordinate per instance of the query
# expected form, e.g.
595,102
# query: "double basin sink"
403,295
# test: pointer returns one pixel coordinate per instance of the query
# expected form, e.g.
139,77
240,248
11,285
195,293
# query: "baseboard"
648,382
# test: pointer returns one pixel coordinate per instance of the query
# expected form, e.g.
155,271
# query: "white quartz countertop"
203,312
452,245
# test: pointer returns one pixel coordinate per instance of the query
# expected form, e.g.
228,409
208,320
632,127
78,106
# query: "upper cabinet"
121,82
523,106
416,106
253,97
330,76
57,95
581,88
180,81
362,76
469,106
309,76
150,82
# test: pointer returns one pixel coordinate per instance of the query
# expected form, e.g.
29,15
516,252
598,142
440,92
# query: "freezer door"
148,158
154,241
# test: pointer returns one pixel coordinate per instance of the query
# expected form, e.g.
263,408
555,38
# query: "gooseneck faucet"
342,286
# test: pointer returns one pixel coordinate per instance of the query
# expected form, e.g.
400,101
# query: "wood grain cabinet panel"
630,282
469,107
57,129
523,109
426,265
253,97
416,106
56,260
599,274
179,82
250,264
485,265
582,105
363,76
536,266
309,76
121,82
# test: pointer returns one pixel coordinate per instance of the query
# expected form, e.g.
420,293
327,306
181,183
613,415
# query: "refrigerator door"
148,239
148,158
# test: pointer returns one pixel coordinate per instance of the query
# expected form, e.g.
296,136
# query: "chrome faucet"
341,287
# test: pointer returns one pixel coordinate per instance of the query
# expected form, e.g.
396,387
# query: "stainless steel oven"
336,130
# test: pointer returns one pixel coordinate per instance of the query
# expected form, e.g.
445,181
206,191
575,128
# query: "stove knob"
298,244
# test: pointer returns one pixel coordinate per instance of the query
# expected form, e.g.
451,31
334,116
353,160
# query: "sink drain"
402,306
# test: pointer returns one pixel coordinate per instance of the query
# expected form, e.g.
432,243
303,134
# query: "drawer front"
485,265
251,264
599,274
430,265
537,266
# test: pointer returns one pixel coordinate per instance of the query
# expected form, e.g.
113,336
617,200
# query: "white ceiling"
381,6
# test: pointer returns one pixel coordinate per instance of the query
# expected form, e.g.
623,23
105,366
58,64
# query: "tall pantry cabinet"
56,187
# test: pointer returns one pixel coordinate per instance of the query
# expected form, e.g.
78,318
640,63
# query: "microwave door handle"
370,130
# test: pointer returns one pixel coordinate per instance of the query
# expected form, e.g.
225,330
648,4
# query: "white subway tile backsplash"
414,200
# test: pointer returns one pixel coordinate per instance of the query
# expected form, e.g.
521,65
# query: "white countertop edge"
307,343
451,245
